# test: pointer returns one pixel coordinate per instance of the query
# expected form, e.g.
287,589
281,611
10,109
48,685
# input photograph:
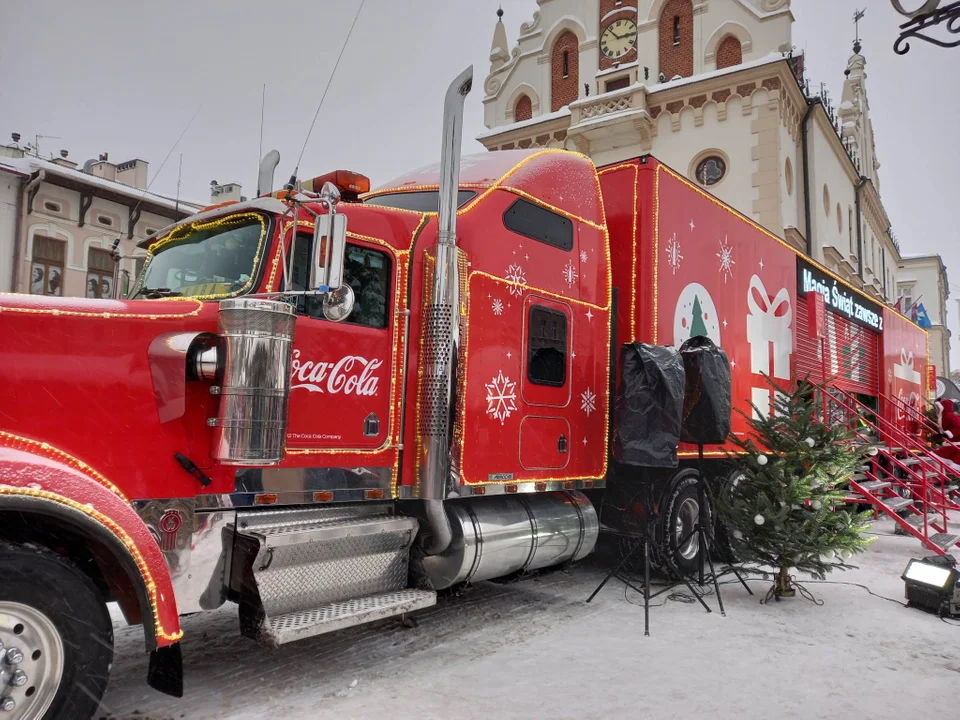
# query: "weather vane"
857,16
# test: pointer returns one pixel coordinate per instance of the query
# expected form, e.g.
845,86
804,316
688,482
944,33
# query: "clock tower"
618,32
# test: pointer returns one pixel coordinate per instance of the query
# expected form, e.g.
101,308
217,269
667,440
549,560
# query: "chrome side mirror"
329,244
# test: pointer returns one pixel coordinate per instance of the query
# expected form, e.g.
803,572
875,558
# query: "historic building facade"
713,89
58,223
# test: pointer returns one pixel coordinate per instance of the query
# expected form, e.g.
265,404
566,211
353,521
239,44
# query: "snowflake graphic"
583,256
673,253
726,259
516,275
497,306
588,401
501,397
570,273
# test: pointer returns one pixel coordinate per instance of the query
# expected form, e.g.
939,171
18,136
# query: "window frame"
531,349
567,222
100,274
48,264
388,257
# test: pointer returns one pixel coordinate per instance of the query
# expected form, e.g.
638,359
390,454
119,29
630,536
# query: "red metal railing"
917,484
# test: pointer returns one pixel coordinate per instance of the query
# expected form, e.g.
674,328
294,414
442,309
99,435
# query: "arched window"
523,109
565,70
729,52
676,38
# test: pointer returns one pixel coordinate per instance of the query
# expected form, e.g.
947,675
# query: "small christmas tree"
697,326
786,508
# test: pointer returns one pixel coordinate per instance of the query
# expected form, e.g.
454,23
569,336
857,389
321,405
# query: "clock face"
618,38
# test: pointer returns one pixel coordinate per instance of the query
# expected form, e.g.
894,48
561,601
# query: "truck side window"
366,271
533,221
547,335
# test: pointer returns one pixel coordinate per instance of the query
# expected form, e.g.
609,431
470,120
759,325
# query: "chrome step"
946,541
294,626
318,569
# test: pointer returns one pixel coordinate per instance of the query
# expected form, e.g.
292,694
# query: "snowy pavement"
535,649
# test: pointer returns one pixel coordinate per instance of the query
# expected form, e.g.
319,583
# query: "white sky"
125,77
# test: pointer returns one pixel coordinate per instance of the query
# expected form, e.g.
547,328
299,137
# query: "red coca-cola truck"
306,390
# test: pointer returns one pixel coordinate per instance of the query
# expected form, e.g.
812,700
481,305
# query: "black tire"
55,587
680,498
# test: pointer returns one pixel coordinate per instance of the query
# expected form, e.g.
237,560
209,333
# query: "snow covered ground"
535,649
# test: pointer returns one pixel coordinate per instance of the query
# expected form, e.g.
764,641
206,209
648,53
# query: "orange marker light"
325,496
510,488
350,184
541,486
479,491
266,499
568,485
373,494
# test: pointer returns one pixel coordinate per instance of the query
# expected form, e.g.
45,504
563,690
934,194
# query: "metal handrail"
923,419
920,478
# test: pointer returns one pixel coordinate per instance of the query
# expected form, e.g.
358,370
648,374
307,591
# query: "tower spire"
499,49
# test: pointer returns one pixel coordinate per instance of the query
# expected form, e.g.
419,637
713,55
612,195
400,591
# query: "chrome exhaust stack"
442,329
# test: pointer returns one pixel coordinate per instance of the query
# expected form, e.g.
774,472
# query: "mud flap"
165,672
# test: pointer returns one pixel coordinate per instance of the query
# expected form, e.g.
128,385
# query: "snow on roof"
28,165
500,129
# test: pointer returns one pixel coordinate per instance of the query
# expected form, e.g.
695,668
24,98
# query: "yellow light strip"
634,245
121,534
56,312
540,291
178,233
553,208
50,452
757,226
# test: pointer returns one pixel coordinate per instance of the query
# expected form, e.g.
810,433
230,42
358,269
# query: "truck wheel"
680,515
56,635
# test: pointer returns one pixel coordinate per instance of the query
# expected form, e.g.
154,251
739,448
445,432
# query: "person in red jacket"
950,424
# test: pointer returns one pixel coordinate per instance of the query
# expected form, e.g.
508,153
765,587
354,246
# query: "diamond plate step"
323,531
338,615
895,503
944,540
874,485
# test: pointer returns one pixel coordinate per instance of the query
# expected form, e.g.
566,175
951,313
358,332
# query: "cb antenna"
296,170
263,103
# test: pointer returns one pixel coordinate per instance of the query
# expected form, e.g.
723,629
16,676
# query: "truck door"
340,379
545,385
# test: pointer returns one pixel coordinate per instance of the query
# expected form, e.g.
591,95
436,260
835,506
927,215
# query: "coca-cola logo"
350,375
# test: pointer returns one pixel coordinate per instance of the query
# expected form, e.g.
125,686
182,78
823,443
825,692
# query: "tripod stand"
702,529
642,540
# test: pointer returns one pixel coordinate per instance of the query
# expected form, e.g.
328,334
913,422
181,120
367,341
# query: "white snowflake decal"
516,275
497,306
583,256
570,273
726,259
673,253
501,397
588,401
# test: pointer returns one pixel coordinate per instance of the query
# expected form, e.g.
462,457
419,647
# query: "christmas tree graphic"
697,326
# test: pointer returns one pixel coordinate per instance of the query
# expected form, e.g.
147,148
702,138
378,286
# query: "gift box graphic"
768,324
905,370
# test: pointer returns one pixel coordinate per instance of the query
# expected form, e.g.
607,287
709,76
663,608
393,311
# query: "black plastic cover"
649,405
706,401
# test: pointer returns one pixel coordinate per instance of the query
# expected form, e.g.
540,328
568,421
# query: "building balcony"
614,119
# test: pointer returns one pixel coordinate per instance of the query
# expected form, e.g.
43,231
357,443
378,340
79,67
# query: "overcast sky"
125,77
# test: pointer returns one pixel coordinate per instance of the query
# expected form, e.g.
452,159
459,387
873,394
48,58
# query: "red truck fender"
37,478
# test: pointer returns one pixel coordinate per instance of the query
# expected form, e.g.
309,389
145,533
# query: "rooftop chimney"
63,162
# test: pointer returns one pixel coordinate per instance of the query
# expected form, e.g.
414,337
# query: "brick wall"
729,52
676,59
523,110
564,90
609,6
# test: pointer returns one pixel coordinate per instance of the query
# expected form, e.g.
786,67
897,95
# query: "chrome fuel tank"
499,535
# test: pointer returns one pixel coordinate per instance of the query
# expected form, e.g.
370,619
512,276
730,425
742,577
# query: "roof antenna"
263,102
296,170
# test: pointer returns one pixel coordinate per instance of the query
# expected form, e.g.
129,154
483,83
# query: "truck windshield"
213,259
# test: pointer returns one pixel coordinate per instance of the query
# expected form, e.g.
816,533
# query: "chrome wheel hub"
31,661
687,541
